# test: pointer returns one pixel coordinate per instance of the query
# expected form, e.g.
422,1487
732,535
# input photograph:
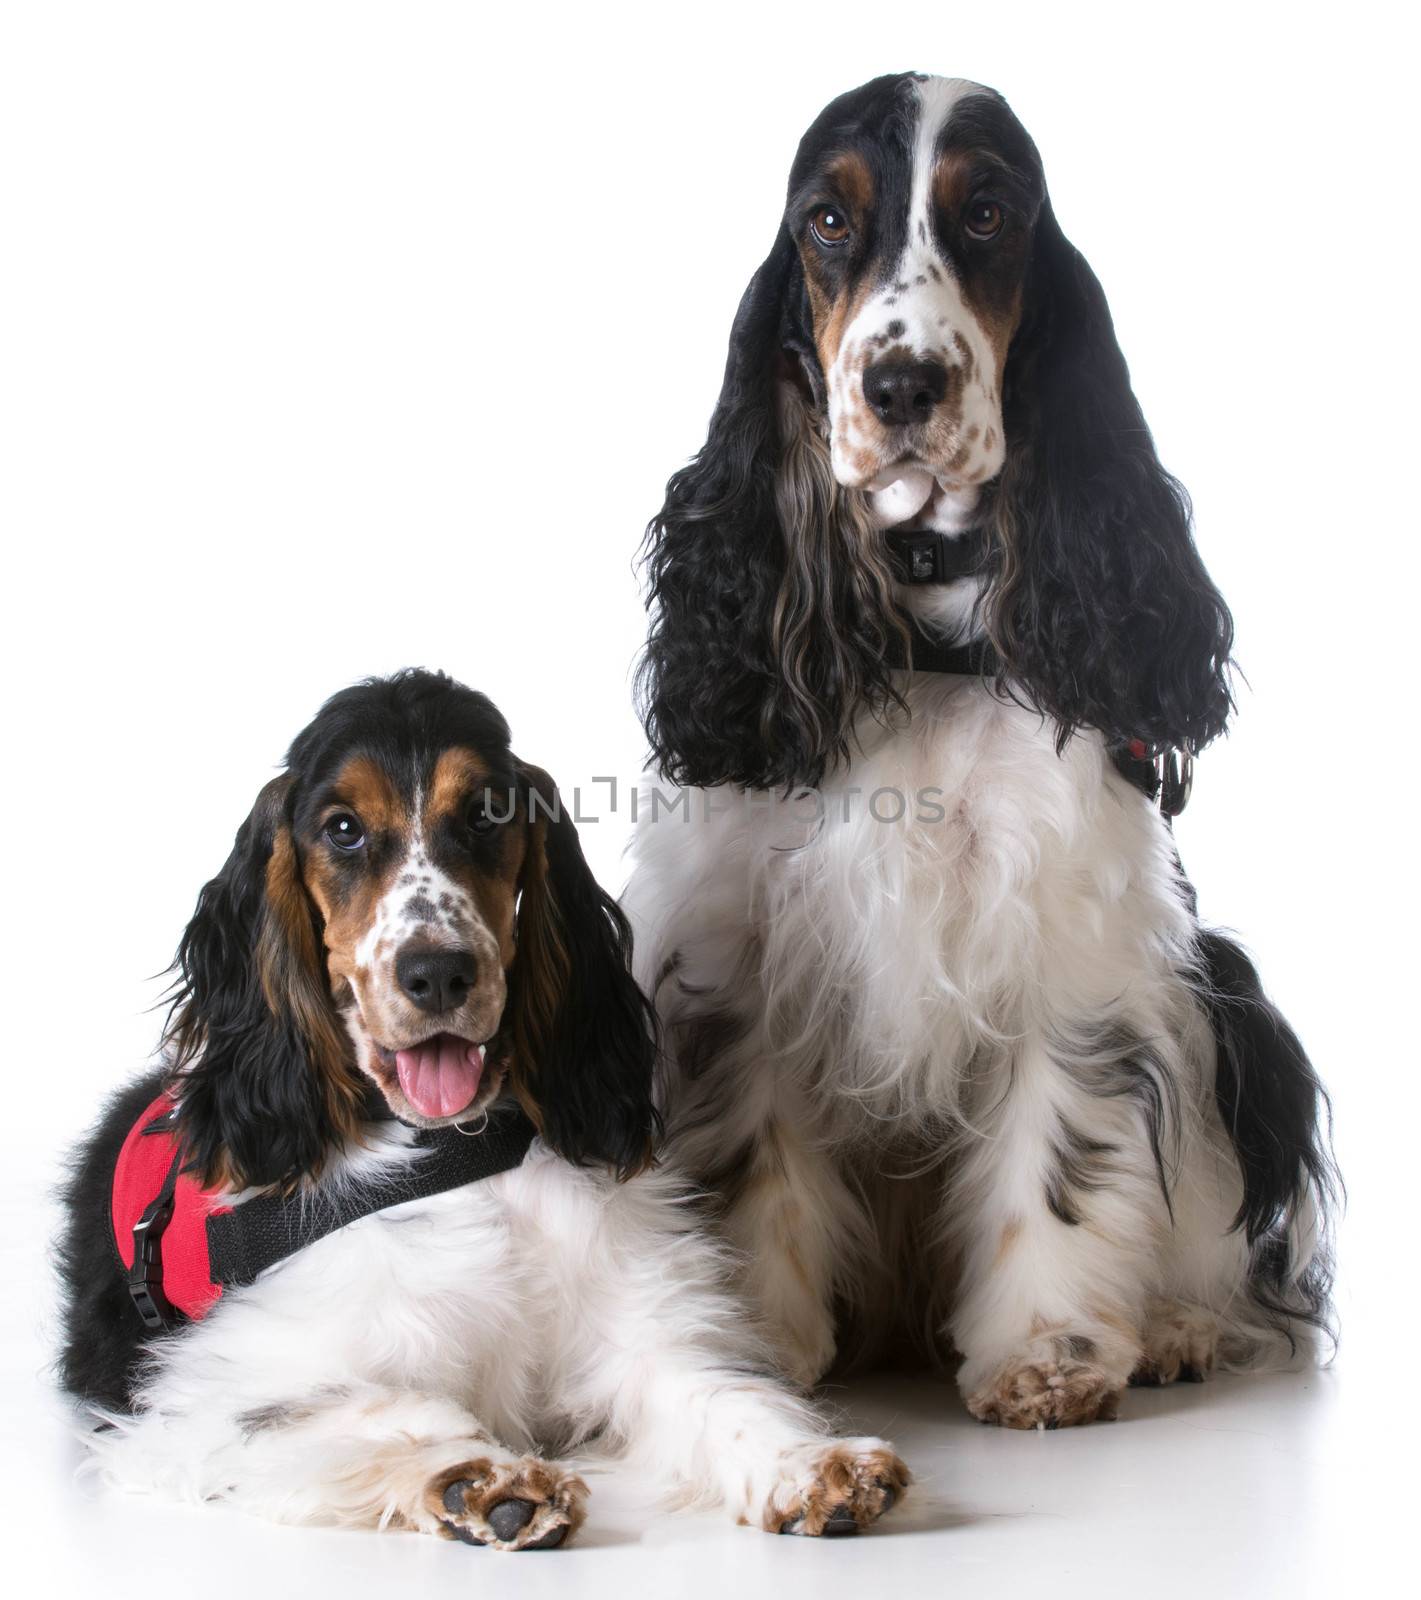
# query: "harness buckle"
145,1276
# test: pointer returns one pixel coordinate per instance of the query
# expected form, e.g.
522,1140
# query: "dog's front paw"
830,1490
1046,1392
510,1505
1181,1344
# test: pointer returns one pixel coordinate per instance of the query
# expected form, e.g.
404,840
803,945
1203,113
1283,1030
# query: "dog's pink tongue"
440,1076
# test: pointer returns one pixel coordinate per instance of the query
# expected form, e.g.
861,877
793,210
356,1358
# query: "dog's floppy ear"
584,1035
1104,613
261,1064
771,608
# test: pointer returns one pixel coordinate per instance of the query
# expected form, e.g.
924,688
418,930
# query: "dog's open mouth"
439,1076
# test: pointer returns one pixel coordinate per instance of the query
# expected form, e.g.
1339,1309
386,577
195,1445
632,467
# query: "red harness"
144,1166
180,1243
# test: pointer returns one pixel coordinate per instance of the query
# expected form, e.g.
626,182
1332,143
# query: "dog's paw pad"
509,1517
453,1500
517,1505
550,1540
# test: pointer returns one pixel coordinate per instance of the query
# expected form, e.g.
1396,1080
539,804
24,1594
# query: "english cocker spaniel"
357,1251
931,651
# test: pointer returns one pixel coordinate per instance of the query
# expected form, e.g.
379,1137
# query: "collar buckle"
919,557
930,557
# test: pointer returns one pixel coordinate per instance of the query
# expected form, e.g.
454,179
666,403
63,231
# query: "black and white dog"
947,1037
406,1070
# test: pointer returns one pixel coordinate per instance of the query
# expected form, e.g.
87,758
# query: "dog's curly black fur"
1102,611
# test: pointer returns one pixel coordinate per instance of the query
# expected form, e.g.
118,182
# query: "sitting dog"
931,650
382,1224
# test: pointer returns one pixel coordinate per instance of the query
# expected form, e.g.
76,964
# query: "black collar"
920,558
937,557
940,558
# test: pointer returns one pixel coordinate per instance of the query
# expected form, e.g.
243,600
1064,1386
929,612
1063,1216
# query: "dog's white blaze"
937,99
405,908
422,900
933,316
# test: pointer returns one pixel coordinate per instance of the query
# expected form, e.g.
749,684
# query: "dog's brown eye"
829,225
344,831
984,219
478,817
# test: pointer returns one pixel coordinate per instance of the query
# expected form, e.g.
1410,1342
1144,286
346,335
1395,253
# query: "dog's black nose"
435,980
901,391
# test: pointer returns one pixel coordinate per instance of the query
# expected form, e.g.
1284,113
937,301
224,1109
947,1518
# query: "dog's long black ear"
1104,613
584,1035
262,1067
771,608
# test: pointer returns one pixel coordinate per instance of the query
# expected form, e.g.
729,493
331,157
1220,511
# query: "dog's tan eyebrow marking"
952,180
849,172
365,786
459,773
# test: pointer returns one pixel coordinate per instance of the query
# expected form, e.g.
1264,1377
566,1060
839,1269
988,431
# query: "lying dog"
372,1247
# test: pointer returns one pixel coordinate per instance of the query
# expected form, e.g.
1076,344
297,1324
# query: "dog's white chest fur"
964,959
959,882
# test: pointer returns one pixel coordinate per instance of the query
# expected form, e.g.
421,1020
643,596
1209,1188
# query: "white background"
336,338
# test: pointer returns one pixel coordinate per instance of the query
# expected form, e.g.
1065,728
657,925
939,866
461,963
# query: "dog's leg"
738,1119
1181,1344
1057,1215
798,1229
796,1226
736,1439
669,1359
354,1454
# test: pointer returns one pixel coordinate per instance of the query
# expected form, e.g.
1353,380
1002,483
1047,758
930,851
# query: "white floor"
1253,1487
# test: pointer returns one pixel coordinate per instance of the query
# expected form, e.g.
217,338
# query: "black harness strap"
928,653
251,1237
